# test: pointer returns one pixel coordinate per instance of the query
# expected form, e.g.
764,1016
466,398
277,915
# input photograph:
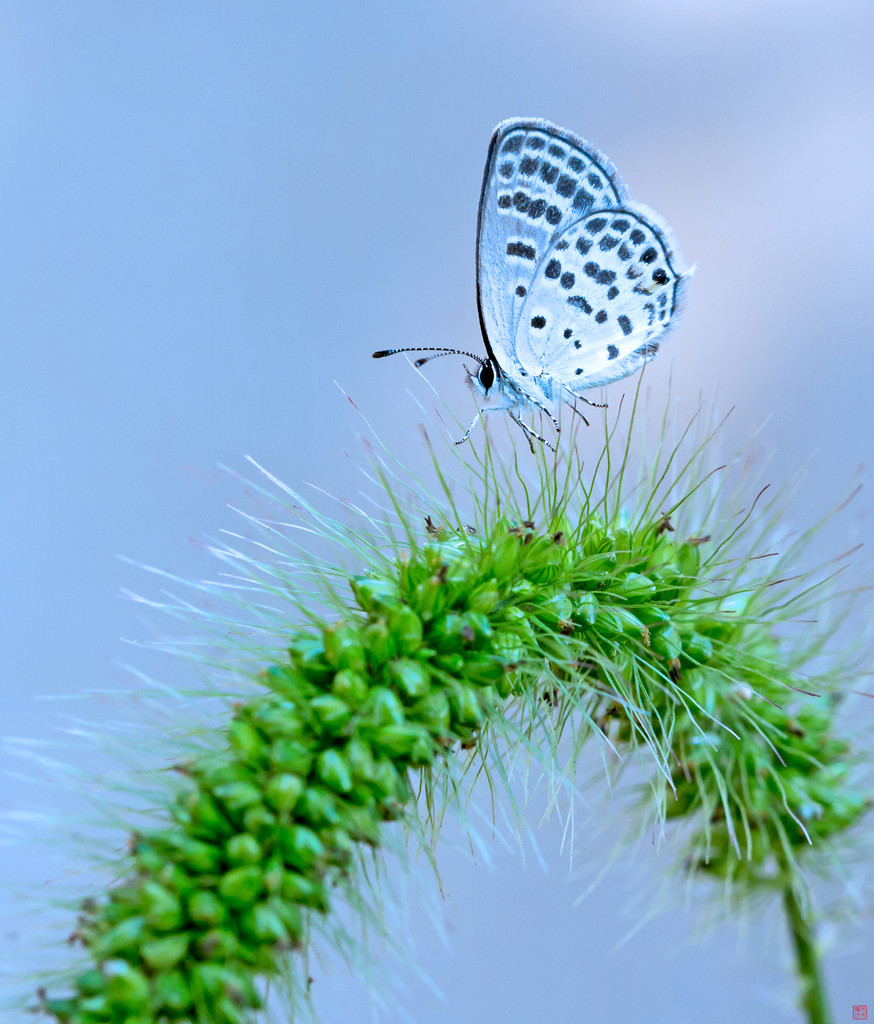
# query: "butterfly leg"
529,433
466,437
594,405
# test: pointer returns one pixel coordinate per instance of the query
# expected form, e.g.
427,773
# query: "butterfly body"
576,282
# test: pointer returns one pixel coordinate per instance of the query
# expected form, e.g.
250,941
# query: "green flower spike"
496,619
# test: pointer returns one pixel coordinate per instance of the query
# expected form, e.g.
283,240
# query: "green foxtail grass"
507,613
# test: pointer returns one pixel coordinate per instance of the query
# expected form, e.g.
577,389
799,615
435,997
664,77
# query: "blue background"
212,211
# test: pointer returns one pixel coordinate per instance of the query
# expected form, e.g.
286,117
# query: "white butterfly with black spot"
576,282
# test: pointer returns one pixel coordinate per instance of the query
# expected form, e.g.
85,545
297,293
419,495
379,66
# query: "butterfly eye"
486,375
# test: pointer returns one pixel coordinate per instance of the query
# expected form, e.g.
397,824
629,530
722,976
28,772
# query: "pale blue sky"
211,211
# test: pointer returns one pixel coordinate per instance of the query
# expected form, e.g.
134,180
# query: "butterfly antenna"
421,362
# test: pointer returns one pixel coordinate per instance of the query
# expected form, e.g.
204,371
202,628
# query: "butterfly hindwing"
601,297
539,179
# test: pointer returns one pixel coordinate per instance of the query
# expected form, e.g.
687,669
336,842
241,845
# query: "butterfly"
576,282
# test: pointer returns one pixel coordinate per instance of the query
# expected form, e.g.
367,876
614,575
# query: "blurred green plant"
503,614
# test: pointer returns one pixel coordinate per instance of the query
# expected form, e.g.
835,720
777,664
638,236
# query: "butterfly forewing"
538,181
602,294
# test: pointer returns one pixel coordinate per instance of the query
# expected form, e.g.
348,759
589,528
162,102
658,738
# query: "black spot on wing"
612,351
601,316
553,269
526,252
566,186
625,324
579,302
513,143
567,280
538,322
582,200
549,172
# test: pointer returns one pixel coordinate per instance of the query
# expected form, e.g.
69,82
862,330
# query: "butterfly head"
483,380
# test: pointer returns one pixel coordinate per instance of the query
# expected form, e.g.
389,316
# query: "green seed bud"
484,598
350,687
121,937
505,557
616,619
218,944
262,924
127,987
343,647
452,664
307,892
91,983
384,707
284,791
165,952
238,796
205,907
331,713
410,677
246,740
433,712
206,818
162,908
244,849
698,649
374,595
397,740
586,608
387,782
291,919
240,887
258,821
636,586
651,615
379,641
333,769
172,992
318,807
464,705
406,629
667,643
291,756
300,847
360,758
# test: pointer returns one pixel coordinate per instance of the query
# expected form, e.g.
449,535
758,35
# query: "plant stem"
813,996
